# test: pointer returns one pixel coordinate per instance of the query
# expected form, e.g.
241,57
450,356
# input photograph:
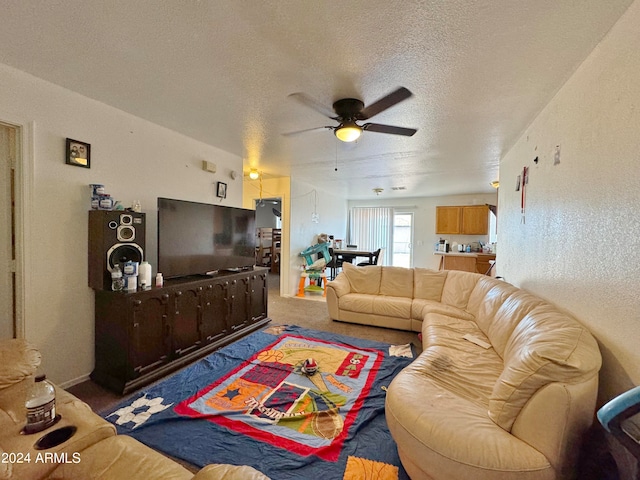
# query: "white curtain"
371,228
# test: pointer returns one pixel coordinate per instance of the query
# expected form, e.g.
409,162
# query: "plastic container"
131,283
105,202
41,405
131,268
144,275
97,189
159,280
117,282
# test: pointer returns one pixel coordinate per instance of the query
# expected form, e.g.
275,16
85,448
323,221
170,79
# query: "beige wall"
579,246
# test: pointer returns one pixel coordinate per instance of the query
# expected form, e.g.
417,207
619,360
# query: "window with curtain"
371,228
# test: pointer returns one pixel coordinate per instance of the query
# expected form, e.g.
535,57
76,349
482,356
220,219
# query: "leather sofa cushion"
18,360
420,308
357,302
486,298
363,279
120,457
508,316
546,346
396,307
458,287
399,307
229,472
396,282
5,467
428,284
466,369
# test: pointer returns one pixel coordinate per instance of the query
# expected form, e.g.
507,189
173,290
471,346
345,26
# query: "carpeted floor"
596,463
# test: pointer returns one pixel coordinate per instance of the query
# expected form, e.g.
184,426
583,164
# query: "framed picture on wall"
78,153
222,190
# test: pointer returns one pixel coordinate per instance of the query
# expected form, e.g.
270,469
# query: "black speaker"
115,237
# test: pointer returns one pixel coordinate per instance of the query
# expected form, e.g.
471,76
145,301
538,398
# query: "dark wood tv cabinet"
144,335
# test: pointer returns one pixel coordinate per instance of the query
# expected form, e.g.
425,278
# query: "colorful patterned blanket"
258,402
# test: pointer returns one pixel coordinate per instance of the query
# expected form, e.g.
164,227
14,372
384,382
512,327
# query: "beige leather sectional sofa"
93,452
505,387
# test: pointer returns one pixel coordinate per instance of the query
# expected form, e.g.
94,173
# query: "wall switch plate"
209,166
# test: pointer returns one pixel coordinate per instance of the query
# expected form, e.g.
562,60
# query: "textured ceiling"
221,72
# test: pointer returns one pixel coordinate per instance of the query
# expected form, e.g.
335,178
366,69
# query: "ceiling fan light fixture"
348,132
253,174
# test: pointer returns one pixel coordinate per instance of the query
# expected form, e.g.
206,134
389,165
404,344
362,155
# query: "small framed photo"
78,153
222,190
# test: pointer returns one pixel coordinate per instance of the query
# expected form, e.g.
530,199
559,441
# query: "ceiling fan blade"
297,132
376,127
317,106
385,102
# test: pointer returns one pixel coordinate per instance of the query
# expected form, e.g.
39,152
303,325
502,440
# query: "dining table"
350,254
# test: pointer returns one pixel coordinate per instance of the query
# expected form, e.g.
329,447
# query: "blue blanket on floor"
259,402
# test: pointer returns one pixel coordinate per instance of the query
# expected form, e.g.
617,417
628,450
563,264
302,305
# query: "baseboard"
74,382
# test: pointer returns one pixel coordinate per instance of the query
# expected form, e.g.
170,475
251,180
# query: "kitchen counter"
467,262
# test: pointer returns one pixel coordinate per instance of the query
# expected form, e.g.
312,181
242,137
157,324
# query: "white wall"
299,199
580,244
332,214
424,209
134,159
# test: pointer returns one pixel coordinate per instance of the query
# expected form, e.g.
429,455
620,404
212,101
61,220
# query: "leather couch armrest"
18,360
229,472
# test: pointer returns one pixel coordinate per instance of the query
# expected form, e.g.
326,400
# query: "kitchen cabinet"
466,262
142,336
483,263
462,220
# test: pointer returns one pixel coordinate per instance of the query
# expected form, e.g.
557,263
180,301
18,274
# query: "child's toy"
314,269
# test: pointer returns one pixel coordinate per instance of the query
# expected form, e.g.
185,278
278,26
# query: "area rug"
258,402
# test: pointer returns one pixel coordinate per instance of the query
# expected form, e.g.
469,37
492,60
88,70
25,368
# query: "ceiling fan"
348,111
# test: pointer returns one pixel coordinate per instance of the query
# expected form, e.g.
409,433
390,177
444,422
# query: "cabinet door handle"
178,293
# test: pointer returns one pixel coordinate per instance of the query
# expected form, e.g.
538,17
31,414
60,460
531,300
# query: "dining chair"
333,264
376,258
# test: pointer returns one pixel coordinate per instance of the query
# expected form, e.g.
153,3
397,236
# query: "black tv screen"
199,238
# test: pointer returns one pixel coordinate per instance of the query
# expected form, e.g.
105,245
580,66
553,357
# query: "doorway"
269,239
8,243
402,254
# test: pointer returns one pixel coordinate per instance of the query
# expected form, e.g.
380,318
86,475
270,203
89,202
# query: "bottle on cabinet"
117,282
144,275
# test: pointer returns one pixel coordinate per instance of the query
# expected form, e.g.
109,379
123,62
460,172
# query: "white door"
402,240
7,237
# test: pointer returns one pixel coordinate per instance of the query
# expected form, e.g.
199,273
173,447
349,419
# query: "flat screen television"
199,238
